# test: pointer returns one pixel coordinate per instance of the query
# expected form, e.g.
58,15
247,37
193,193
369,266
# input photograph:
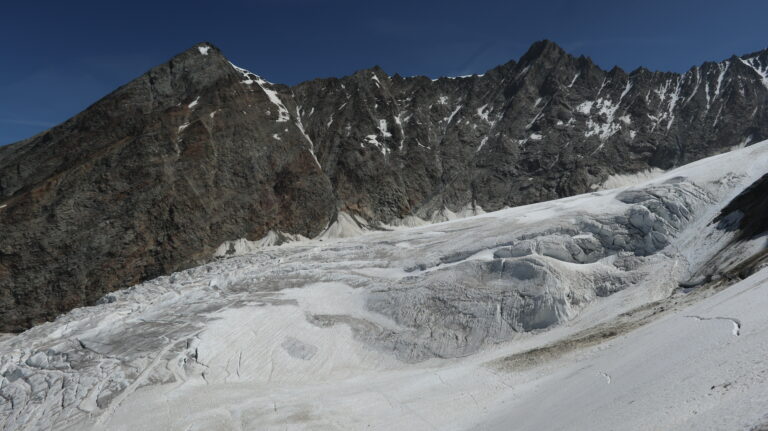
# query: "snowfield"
564,315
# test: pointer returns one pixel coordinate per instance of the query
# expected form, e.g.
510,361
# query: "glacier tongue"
467,323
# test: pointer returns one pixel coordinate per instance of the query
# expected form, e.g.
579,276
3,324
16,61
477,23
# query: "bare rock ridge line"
155,176
547,126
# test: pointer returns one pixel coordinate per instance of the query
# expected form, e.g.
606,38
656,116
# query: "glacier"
617,309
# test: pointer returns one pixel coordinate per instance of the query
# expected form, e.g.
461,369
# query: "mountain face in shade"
155,176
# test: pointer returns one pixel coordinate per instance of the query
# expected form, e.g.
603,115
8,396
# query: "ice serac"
149,180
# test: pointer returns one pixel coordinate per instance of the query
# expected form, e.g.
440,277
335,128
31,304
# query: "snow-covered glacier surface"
560,315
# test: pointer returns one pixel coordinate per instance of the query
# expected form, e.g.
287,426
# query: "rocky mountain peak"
763,53
151,179
374,74
198,67
543,51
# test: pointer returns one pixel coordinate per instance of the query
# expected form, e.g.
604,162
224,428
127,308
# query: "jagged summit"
543,50
759,53
370,72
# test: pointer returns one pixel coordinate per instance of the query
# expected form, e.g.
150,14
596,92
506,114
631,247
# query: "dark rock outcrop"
156,175
548,126
747,213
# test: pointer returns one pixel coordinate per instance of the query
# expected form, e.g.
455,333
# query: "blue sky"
59,57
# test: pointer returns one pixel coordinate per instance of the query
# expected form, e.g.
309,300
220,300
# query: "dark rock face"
748,212
747,215
147,181
156,175
548,126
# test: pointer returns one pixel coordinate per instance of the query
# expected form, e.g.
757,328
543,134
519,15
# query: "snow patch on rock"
251,78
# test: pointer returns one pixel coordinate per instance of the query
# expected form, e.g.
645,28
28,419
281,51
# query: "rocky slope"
196,152
149,180
548,126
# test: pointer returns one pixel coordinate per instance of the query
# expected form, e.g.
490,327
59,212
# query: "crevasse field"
562,315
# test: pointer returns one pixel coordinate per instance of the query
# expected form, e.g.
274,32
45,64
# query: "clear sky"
58,57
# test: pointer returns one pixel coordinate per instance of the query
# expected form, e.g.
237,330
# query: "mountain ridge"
638,69
155,176
594,76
